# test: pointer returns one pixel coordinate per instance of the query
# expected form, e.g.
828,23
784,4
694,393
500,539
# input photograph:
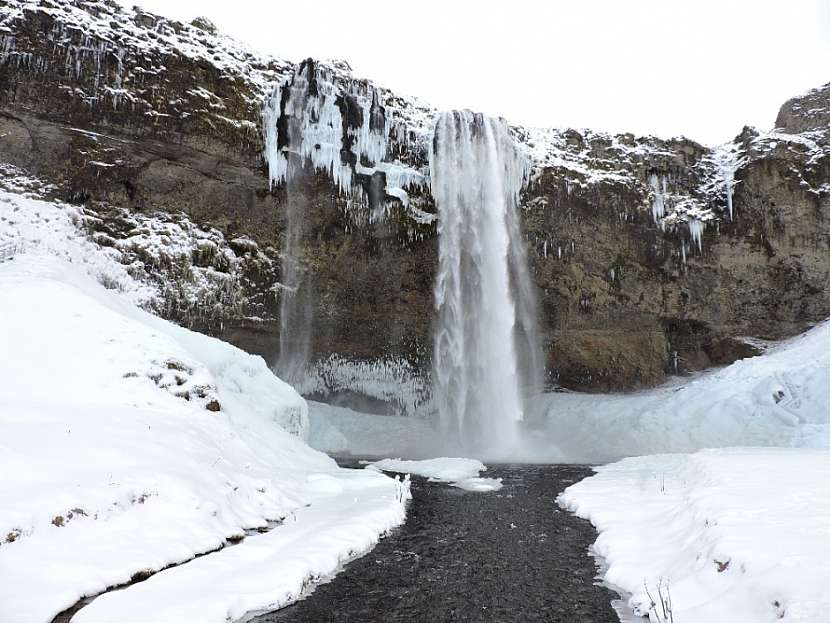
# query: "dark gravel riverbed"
506,556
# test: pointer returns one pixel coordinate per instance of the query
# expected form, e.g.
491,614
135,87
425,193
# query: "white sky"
703,68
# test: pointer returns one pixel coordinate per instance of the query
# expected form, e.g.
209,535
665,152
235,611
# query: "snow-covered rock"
459,472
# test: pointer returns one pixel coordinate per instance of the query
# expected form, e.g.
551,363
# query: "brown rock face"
134,115
805,113
612,280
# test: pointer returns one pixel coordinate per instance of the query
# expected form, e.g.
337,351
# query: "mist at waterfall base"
779,398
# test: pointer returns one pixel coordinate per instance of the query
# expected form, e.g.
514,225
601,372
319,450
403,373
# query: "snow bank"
461,473
129,444
346,513
732,536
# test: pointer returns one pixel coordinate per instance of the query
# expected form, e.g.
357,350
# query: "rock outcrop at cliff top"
651,256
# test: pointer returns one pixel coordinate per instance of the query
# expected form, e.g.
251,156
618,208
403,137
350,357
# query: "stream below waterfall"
500,557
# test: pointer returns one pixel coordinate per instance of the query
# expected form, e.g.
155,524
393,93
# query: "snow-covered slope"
723,536
128,444
780,398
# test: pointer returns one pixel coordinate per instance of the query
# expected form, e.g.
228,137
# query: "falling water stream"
486,344
487,352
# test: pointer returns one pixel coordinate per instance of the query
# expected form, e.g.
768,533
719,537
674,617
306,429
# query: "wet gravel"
507,556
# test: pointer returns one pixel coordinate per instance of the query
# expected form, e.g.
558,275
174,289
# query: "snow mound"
461,473
735,535
130,444
442,469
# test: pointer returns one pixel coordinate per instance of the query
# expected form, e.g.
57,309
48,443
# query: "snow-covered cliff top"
112,58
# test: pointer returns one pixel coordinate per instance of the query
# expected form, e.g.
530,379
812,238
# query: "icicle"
696,232
337,128
658,204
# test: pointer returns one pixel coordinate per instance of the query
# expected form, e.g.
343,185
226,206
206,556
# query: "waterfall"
486,349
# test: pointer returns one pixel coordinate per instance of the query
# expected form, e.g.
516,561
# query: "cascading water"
486,347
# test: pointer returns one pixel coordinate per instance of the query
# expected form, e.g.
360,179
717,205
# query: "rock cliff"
652,257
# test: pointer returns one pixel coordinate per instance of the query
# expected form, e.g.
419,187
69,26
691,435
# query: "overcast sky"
703,68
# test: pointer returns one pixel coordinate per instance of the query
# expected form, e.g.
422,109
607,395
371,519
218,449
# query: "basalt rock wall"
651,257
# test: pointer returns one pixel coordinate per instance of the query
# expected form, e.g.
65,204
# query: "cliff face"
635,296
651,257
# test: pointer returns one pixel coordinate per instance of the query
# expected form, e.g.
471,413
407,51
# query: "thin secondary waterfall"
316,123
287,134
486,344
297,296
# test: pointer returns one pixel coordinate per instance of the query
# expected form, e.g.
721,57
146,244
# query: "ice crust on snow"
444,469
341,431
779,398
479,485
734,535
